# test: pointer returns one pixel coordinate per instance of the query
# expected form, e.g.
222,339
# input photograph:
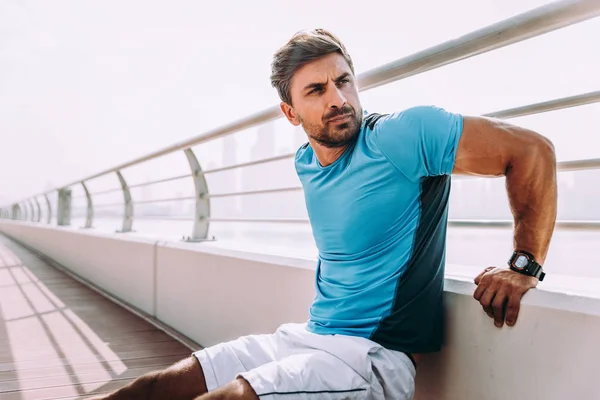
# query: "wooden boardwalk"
61,340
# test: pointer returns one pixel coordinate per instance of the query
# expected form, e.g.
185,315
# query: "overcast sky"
86,85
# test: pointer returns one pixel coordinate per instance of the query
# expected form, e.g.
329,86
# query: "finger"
498,307
487,298
485,271
512,309
489,312
480,290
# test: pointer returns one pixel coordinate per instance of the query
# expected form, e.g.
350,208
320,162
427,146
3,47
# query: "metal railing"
513,30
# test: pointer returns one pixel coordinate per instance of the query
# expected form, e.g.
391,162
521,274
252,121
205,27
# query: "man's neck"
327,155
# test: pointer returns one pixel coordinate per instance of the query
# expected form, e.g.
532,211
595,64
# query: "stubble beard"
335,135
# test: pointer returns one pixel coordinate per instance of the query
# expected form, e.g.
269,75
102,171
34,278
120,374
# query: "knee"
244,389
237,389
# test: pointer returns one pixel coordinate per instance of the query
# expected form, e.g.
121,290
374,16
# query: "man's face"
325,101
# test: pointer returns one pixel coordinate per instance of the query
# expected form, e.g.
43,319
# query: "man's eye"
346,80
316,90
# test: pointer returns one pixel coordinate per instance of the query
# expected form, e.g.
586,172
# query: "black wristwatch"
524,263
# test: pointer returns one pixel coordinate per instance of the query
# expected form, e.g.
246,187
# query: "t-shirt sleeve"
420,141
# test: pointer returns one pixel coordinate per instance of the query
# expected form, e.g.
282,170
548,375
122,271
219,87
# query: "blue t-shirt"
379,216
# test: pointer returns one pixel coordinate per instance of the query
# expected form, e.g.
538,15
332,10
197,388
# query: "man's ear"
290,113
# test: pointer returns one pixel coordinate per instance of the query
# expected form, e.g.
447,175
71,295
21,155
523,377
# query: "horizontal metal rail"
578,165
453,223
561,166
217,219
263,220
166,217
547,106
535,22
536,108
159,181
532,23
251,163
109,205
165,200
594,225
261,191
106,191
576,225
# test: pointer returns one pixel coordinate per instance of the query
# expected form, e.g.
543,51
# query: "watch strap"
532,269
536,270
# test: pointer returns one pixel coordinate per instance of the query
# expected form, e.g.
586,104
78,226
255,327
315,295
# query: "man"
376,189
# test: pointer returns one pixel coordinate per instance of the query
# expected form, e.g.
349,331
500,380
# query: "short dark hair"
302,48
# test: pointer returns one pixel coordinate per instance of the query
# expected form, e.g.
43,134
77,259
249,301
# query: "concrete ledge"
213,294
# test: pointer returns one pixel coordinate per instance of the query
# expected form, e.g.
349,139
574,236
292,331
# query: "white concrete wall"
212,298
213,294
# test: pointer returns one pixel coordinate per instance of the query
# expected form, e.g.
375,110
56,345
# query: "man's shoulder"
304,150
304,157
406,116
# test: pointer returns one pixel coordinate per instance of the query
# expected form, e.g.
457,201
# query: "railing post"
90,208
128,212
27,211
39,210
16,212
49,208
202,214
63,217
32,210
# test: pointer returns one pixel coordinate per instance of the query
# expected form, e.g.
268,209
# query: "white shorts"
293,363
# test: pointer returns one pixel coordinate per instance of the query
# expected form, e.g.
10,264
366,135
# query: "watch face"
521,262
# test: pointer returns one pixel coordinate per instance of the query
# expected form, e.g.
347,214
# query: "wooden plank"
24,329
70,379
150,336
101,328
60,340
44,353
89,367
166,349
59,392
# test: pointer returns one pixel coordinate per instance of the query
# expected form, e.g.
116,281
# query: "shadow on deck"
61,340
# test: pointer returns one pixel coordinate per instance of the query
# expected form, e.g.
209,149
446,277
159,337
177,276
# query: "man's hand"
500,291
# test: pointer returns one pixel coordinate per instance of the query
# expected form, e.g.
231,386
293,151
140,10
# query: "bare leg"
239,389
183,380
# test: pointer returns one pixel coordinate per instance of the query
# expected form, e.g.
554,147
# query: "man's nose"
336,98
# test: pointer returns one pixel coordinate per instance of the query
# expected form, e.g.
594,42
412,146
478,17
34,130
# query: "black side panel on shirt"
371,119
415,324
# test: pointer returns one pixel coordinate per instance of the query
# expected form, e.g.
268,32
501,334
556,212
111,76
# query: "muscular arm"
490,147
494,148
